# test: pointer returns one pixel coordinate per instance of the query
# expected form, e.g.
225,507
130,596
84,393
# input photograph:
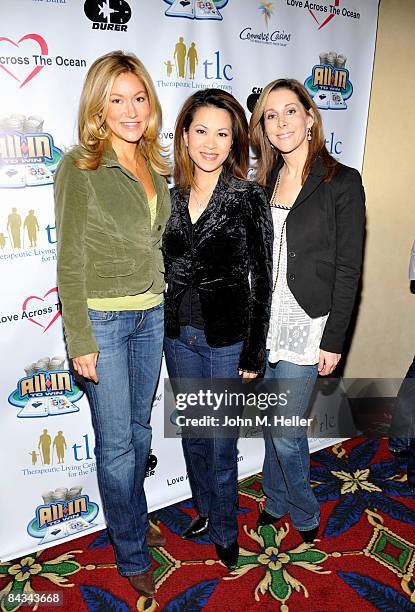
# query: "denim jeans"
286,471
211,462
130,343
404,414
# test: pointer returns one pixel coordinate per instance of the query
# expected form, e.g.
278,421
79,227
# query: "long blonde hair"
93,133
266,157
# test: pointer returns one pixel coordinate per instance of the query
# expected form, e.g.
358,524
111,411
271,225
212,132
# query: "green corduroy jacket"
106,247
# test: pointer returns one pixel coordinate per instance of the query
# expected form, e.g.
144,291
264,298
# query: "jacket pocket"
325,271
115,267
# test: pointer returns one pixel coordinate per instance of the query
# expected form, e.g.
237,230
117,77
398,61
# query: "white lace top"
293,336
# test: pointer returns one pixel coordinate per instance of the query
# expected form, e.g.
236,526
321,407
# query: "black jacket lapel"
316,176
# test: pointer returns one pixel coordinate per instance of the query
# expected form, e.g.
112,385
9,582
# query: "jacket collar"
315,177
110,160
224,181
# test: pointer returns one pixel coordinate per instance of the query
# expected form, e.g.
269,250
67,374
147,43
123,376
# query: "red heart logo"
43,49
42,299
329,18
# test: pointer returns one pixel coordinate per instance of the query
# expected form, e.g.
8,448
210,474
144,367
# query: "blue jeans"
404,413
211,462
286,471
130,343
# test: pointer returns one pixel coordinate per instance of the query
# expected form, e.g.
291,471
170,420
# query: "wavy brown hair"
93,133
265,155
236,164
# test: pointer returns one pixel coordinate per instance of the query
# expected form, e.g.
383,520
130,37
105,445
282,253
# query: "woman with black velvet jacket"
318,210
217,248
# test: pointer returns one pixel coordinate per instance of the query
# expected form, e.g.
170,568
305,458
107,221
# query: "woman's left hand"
246,374
327,362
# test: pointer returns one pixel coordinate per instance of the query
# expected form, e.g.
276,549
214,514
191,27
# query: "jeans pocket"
100,316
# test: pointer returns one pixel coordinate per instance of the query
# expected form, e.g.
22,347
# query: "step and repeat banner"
48,481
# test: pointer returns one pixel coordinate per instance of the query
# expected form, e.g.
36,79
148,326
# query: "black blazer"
228,259
325,229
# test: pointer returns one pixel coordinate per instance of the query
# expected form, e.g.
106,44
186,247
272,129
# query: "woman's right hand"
85,365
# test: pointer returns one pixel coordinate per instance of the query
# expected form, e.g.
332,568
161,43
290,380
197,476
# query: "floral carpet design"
363,558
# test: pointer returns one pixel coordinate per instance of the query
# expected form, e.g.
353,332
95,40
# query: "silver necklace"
273,203
201,205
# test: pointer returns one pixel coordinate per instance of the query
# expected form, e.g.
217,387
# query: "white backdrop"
48,483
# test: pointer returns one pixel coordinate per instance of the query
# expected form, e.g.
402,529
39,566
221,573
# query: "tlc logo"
334,147
184,62
51,233
83,451
218,70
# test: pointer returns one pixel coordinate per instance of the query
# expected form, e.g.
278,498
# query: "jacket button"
158,227
291,276
291,254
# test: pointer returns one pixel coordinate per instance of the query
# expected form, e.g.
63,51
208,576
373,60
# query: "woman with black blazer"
318,214
218,252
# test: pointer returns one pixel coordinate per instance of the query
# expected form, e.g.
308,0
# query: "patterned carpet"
363,560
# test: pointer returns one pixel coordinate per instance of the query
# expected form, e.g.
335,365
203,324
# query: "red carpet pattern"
363,558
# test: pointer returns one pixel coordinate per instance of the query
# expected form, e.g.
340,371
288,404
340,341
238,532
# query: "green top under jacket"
106,244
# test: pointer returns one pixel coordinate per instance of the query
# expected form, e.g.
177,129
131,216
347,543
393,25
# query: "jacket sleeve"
350,227
71,208
259,242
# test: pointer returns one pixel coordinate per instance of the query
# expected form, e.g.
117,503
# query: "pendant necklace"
201,205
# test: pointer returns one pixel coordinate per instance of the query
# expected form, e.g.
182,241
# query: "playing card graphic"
72,527
182,8
206,10
322,99
36,407
195,9
12,176
336,100
47,406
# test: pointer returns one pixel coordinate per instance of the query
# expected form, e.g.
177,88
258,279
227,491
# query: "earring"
309,133
186,145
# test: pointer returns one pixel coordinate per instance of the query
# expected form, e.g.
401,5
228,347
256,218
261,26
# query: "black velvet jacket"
325,229
228,259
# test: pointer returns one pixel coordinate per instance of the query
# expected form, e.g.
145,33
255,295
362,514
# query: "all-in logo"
187,65
47,390
272,34
108,14
196,9
28,154
64,512
151,464
329,83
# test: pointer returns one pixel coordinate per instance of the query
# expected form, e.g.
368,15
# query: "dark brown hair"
237,161
266,157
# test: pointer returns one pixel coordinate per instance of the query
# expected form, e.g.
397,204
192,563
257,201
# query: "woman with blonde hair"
112,204
318,213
